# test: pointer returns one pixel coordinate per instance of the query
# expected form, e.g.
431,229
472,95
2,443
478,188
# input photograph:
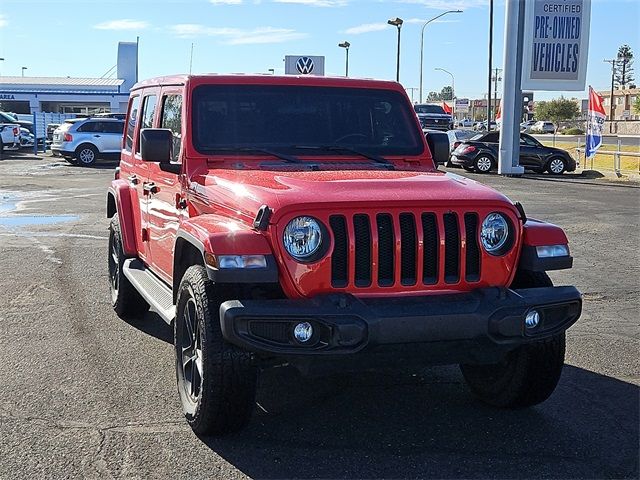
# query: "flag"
498,113
446,108
595,123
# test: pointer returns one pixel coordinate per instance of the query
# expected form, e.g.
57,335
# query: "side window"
88,127
172,119
491,138
148,111
132,120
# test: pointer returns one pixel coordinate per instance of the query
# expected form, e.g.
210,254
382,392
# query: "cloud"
226,2
123,24
366,28
423,20
237,36
3,21
316,3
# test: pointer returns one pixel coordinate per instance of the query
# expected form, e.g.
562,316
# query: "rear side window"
113,127
172,119
132,121
148,111
491,138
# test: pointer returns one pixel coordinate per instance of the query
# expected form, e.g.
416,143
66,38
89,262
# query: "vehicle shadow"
424,423
152,324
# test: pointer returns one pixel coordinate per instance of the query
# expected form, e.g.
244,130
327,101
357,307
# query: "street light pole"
23,69
397,22
422,43
613,75
1,60
346,46
453,90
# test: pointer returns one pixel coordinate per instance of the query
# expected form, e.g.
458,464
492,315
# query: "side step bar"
152,289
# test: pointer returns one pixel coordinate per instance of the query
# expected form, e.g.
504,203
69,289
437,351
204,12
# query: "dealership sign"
556,44
7,96
462,105
303,65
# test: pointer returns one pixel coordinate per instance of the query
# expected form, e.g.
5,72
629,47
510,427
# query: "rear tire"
529,374
483,164
125,299
86,155
216,380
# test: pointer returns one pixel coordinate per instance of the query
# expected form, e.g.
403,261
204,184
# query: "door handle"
97,136
149,188
133,180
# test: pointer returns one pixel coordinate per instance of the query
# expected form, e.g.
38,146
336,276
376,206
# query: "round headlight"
302,237
494,233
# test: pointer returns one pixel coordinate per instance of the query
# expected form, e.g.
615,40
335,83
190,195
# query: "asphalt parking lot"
85,394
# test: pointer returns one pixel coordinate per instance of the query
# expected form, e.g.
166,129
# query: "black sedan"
480,153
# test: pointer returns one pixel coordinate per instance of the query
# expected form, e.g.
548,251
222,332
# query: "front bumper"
491,319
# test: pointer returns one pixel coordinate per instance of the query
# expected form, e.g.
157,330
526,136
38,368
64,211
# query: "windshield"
429,109
285,118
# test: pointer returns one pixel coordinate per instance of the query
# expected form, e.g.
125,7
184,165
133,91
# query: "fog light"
303,332
532,320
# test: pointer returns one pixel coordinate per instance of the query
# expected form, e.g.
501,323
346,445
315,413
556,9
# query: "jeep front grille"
404,249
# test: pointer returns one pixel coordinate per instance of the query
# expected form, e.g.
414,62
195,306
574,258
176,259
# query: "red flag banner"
446,108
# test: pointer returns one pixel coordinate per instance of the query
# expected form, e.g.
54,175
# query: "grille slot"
362,231
340,255
472,260
430,255
451,248
386,249
408,253
273,331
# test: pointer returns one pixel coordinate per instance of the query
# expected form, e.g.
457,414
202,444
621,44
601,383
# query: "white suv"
85,140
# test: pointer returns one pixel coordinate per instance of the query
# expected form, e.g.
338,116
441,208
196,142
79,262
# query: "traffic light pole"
509,146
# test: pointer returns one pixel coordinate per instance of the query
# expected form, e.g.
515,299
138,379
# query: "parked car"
8,117
525,127
543,127
263,239
85,140
458,136
433,117
27,139
9,136
480,153
465,123
482,126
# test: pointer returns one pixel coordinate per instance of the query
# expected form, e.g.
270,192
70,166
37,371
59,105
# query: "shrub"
573,131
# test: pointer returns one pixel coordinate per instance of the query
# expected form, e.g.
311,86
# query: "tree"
446,93
557,110
636,105
434,97
624,67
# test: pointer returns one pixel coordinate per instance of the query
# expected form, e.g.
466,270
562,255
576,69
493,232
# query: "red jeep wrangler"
301,220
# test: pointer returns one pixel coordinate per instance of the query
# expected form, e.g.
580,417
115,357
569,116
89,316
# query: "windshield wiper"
340,148
283,156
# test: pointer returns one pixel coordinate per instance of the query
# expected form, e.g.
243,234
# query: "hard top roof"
267,79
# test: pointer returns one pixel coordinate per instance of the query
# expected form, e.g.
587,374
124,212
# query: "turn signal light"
16,131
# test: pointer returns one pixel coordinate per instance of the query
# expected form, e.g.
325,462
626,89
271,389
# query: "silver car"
85,140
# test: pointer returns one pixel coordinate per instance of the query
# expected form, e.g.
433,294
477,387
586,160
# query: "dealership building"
73,95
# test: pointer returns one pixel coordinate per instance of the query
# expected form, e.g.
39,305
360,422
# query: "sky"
78,38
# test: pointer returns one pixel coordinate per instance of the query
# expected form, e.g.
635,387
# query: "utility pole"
613,74
496,79
191,59
411,89
490,65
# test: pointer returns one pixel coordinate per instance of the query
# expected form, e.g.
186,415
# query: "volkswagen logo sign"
304,65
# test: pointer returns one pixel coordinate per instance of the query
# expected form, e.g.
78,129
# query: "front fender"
119,203
537,233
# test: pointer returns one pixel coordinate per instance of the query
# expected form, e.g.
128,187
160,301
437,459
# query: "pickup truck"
302,221
9,136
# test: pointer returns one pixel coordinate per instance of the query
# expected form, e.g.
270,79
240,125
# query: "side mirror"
438,143
156,145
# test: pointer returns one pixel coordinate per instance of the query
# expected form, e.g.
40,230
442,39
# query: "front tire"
216,380
529,374
125,299
557,166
